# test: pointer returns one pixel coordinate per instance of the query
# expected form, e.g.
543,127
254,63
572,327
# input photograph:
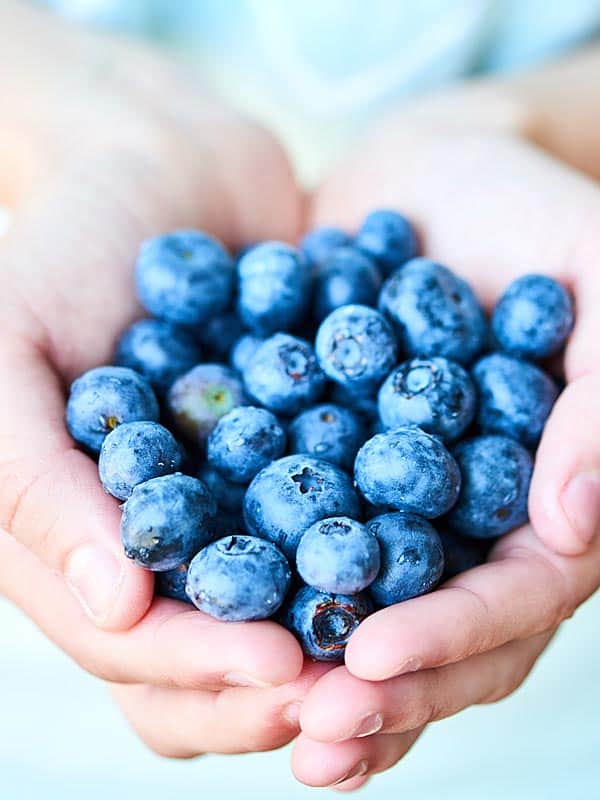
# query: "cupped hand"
492,207
118,146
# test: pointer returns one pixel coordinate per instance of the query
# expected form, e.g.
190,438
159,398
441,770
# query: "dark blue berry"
515,397
105,397
166,521
533,317
135,452
172,583
327,431
244,441
320,243
274,288
242,351
434,312
346,277
238,578
229,495
496,472
409,470
324,622
356,347
158,350
412,558
283,374
339,555
184,277
389,238
434,393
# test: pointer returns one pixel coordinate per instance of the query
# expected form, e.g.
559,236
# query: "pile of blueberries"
285,426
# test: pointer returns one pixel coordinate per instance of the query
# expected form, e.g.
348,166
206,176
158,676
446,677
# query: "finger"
341,707
51,500
173,645
180,723
417,171
564,499
349,763
523,591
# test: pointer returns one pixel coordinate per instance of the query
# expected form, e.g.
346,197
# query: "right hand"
117,146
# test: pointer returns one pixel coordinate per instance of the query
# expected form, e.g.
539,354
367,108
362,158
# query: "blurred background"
316,72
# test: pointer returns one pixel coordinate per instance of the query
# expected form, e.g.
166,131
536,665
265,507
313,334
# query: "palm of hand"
69,294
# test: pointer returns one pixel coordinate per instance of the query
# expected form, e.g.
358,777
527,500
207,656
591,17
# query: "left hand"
492,207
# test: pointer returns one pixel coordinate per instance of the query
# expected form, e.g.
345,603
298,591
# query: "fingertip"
318,764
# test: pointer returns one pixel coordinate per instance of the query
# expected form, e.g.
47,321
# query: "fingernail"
243,679
291,713
368,726
356,771
581,503
94,576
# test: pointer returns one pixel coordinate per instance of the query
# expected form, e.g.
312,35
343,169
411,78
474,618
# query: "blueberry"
286,497
242,351
158,350
105,397
274,288
228,523
389,238
244,441
461,553
496,472
135,452
320,243
218,335
409,470
412,558
283,374
327,431
362,401
229,495
200,397
434,393
166,521
338,555
434,312
324,622
347,276
515,397
533,318
356,346
238,578
184,277
172,583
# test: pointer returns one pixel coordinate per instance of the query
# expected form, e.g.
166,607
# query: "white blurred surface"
61,737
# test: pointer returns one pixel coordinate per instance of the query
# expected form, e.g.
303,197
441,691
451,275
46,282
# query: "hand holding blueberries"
246,380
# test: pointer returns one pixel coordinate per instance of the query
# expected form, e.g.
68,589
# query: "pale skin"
106,143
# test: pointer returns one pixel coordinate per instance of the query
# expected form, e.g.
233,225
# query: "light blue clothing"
316,71
344,56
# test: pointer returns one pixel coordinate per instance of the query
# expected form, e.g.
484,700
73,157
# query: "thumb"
564,500
51,500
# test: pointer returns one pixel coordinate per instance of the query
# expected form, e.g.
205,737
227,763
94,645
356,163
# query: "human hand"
492,207
118,146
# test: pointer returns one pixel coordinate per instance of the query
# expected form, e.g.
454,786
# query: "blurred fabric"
316,71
